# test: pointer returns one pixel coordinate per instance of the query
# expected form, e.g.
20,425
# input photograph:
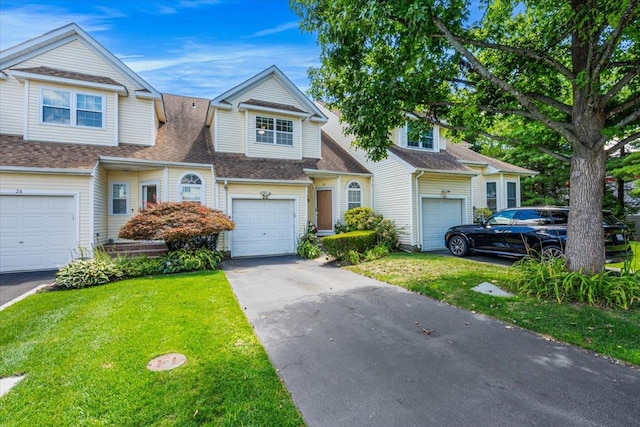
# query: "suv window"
501,218
559,217
533,217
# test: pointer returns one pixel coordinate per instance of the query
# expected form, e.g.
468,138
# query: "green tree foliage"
569,66
177,222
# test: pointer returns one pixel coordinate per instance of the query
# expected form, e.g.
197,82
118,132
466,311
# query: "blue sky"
185,47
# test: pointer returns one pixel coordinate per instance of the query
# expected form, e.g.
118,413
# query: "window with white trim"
274,131
354,195
119,198
492,196
512,199
419,138
72,108
191,188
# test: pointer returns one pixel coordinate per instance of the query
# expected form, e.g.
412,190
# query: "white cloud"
279,29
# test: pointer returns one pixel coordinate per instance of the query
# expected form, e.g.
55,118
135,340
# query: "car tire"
551,252
458,246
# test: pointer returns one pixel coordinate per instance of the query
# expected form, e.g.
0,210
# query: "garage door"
36,232
263,227
437,216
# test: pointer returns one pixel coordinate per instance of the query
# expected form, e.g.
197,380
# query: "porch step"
132,249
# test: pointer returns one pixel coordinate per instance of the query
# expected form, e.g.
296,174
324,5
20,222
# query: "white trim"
333,207
299,136
92,184
116,120
24,75
246,133
25,135
296,211
251,107
21,169
73,108
262,181
203,194
347,190
165,189
140,162
330,173
128,198
463,210
215,129
141,186
153,132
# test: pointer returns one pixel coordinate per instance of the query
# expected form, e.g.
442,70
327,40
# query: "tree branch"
525,101
540,56
621,124
623,142
629,103
618,87
551,102
609,45
554,154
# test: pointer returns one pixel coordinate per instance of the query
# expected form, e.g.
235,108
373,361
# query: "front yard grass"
84,353
610,332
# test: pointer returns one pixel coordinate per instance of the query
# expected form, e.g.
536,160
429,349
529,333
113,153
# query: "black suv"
516,232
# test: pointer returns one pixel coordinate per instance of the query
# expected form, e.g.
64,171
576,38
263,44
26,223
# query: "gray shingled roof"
436,161
463,153
182,139
53,72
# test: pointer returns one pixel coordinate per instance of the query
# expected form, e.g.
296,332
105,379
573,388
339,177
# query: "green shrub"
339,245
388,233
309,246
377,252
190,260
480,214
550,280
138,266
182,225
340,227
361,219
90,272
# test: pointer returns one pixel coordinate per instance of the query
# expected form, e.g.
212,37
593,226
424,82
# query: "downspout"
227,242
418,213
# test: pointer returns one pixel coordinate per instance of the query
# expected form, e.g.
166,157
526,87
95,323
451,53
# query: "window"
71,108
533,217
512,200
419,138
191,188
502,218
492,197
274,131
119,198
354,195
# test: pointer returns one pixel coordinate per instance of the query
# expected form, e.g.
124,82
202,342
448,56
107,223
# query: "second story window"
72,108
191,188
274,131
419,138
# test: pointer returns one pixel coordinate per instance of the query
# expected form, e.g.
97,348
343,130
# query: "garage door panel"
36,232
263,227
437,216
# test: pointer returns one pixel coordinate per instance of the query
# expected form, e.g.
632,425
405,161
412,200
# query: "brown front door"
325,213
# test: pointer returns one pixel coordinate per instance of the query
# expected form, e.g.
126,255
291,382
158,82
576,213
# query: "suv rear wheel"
458,246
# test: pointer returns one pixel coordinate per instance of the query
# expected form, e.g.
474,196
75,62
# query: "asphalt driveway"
357,352
13,285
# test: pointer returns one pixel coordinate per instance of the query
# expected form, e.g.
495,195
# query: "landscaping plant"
309,245
182,225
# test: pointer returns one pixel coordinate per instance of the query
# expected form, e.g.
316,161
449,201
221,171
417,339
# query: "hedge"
339,245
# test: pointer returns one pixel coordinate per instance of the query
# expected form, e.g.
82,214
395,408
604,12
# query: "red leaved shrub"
186,225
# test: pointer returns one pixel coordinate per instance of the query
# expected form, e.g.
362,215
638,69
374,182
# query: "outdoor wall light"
265,194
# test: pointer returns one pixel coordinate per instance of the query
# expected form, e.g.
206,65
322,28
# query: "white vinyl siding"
45,184
231,134
137,122
11,106
311,146
100,206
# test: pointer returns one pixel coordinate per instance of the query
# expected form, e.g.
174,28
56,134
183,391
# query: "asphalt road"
12,285
357,352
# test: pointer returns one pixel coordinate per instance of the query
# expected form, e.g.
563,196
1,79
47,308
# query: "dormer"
266,116
73,90
421,136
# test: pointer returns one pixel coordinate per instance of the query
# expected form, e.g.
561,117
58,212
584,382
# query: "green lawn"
635,262
611,332
84,353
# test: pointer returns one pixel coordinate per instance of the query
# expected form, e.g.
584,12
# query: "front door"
149,194
324,202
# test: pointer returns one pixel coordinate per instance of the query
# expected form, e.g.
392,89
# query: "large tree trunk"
585,232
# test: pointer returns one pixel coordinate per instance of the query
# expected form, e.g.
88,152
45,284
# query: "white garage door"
263,227
437,216
36,232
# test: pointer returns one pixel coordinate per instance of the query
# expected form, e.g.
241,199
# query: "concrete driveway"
13,285
358,352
